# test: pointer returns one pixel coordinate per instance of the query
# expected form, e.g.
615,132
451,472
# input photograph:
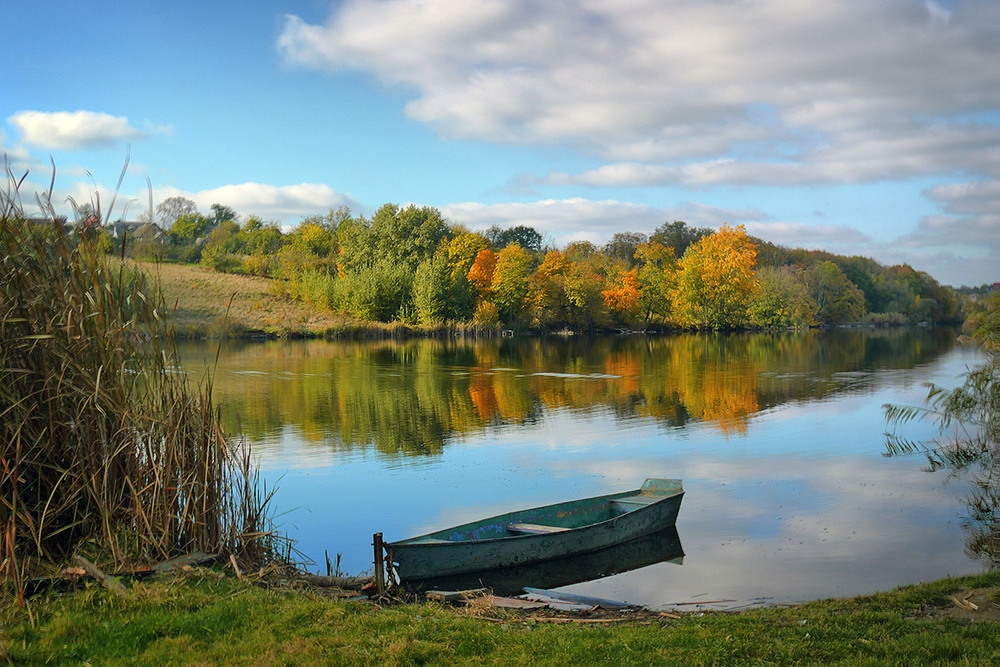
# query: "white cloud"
73,130
811,236
17,156
286,203
793,91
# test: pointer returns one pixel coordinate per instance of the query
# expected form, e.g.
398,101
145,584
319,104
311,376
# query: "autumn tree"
510,281
548,290
585,307
716,280
461,252
481,273
623,297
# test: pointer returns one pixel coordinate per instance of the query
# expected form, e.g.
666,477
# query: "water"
778,438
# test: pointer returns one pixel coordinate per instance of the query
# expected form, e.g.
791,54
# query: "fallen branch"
109,582
350,583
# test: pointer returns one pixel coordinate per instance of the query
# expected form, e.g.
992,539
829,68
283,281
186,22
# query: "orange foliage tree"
481,272
623,297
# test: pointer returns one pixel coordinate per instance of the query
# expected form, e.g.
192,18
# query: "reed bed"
105,446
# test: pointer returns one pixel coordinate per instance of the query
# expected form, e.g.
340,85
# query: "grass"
202,298
205,617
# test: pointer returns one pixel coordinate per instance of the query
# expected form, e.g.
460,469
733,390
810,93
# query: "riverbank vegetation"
106,449
968,443
411,266
202,616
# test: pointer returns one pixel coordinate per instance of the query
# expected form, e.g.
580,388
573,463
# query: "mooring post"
379,563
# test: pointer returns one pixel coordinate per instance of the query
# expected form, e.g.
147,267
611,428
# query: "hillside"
202,297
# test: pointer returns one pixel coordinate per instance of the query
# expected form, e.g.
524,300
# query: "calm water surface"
778,438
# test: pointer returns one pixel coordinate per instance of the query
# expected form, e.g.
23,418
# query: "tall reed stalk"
104,443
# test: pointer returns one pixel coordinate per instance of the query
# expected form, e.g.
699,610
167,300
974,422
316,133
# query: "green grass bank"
205,617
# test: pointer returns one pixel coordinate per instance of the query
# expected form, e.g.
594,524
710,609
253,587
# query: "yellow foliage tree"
717,280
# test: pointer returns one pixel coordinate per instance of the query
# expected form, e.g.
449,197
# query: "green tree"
968,418
657,277
838,300
431,290
222,251
189,227
623,246
678,235
222,214
526,237
382,293
408,236
783,299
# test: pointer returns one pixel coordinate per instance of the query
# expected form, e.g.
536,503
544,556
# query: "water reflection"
778,439
660,547
406,399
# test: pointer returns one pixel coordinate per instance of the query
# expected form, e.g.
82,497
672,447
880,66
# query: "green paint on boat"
586,525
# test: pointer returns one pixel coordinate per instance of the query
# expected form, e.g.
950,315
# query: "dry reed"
104,444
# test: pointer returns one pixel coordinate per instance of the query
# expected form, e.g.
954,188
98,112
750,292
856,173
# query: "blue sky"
859,128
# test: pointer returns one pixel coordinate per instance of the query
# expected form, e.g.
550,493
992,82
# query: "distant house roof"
121,227
46,220
138,230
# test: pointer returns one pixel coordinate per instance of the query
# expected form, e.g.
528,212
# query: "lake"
778,437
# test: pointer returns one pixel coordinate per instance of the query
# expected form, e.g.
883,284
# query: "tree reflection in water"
407,399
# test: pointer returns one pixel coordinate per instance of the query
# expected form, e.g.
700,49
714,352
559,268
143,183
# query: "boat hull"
582,526
662,546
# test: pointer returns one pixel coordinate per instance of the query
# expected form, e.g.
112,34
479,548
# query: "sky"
860,128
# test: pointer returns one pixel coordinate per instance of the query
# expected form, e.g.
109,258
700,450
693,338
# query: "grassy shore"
208,304
205,617
202,299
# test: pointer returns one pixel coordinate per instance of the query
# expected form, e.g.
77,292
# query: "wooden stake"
379,563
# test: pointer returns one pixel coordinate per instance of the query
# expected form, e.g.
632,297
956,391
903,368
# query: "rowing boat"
663,546
539,534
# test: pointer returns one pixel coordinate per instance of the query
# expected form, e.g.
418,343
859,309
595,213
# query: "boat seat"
533,529
633,502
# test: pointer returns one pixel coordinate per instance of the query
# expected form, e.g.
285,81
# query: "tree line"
410,264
